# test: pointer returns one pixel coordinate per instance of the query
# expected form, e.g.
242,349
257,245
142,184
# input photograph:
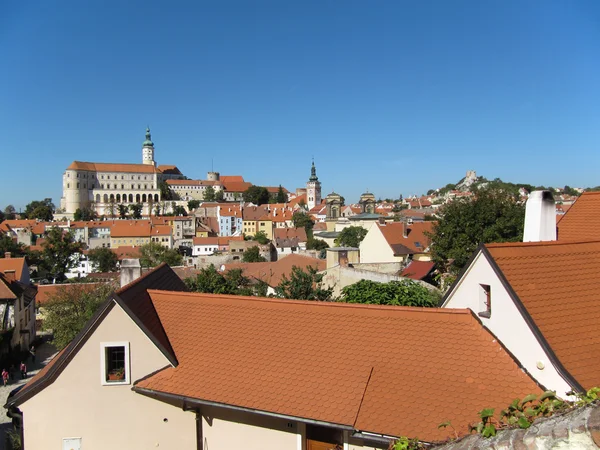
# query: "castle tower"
313,189
148,150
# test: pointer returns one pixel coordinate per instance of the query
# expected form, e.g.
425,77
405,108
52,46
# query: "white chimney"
130,271
540,217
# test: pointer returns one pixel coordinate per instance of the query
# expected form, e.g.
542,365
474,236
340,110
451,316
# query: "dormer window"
115,368
485,301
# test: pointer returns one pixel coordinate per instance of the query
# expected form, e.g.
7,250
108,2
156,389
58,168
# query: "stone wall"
577,429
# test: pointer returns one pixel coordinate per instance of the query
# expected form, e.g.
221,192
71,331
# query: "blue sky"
391,96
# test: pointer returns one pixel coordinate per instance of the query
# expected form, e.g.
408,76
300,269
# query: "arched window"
97,198
130,198
112,197
118,198
137,198
105,198
124,197
144,198
155,197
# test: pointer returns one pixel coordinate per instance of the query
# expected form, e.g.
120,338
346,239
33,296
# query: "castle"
102,186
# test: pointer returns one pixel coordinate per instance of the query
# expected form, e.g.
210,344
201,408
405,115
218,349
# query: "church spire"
313,172
148,142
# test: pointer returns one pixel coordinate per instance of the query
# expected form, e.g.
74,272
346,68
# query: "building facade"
313,189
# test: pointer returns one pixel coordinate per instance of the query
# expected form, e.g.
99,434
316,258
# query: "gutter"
187,401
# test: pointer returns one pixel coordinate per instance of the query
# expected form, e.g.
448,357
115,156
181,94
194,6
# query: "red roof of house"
15,264
110,167
557,283
409,369
582,220
289,237
417,270
47,291
415,241
130,228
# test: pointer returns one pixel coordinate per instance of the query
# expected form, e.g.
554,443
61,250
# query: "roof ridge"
452,311
137,280
539,243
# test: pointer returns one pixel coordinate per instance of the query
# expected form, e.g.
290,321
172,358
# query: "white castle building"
103,186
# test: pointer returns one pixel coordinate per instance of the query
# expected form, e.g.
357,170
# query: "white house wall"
506,322
375,249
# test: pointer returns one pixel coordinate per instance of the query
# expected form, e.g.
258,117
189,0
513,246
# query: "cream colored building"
103,186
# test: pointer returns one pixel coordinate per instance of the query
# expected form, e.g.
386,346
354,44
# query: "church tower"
148,150
313,189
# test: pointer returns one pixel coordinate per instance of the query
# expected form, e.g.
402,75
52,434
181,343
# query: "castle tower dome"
313,188
148,149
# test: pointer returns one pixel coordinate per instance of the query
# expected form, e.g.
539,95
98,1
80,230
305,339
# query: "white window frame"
103,346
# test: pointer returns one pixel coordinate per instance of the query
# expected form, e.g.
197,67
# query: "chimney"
404,230
7,255
130,271
10,275
540,217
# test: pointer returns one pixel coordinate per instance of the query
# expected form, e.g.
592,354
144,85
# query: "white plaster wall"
375,249
105,417
505,322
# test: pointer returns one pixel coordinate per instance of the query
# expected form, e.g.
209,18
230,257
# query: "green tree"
257,195
136,210
1,216
179,211
69,309
304,285
210,281
7,244
351,237
193,204
489,216
219,196
281,197
152,254
104,258
253,255
399,293
9,212
59,252
122,210
302,220
261,238
166,193
111,208
316,244
86,213
209,194
40,209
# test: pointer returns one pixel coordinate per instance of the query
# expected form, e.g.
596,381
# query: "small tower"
313,189
148,150
367,203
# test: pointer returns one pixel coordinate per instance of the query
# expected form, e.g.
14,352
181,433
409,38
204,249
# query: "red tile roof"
289,237
557,283
417,270
396,371
582,221
47,291
16,264
416,240
126,252
110,167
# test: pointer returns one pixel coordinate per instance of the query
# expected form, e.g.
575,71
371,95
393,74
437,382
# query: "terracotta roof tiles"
111,167
557,283
582,220
390,370
415,241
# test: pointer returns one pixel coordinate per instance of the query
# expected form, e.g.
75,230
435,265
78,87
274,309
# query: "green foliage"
193,204
122,210
9,213
86,213
14,439
7,244
136,210
58,252
68,310
302,220
257,195
587,397
152,254
490,216
232,282
219,196
261,238
351,237
253,255
42,210
166,193
304,285
398,293
104,258
570,191
209,194
179,211
404,443
316,244
281,197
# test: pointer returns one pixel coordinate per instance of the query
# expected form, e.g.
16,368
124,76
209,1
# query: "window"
485,301
115,363
77,185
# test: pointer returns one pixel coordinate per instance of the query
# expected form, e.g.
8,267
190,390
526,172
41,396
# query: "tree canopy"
193,204
399,293
257,195
351,237
489,216
281,197
253,255
209,194
304,285
122,210
40,209
9,212
179,211
104,259
59,252
86,213
210,281
261,238
219,196
152,254
166,193
68,310
136,210
302,220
